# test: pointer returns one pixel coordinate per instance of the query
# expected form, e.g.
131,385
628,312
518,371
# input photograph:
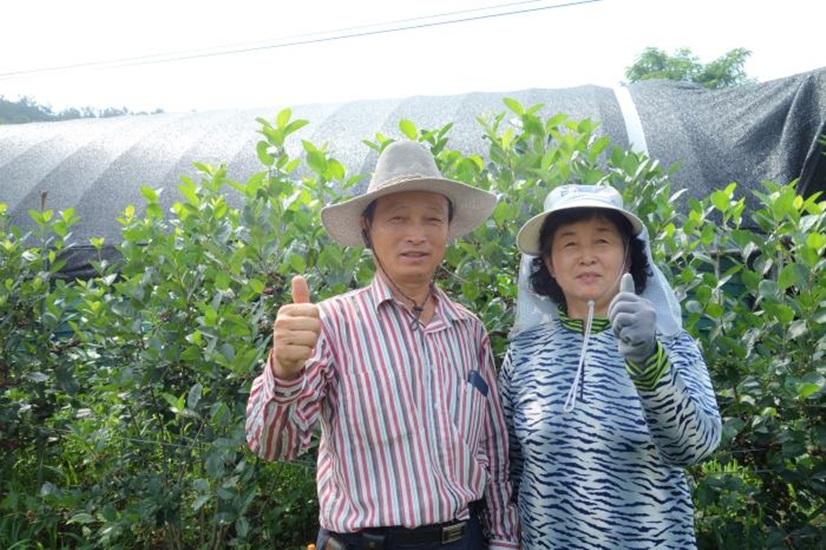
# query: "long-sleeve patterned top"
412,429
609,473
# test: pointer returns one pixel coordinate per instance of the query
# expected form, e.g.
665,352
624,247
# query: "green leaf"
808,389
283,117
408,129
297,263
294,126
792,275
262,150
199,502
514,106
189,190
769,290
816,241
109,513
242,527
194,396
317,162
798,328
83,518
176,403
149,194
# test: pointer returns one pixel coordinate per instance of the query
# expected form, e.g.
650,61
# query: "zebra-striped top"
609,473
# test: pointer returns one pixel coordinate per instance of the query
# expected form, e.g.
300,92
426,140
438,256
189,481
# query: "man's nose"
416,233
415,237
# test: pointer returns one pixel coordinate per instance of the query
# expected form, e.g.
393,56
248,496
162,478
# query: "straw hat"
408,166
570,196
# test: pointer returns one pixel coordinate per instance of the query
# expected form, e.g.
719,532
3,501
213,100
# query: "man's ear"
365,234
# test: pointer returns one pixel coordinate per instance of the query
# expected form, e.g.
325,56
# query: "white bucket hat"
408,166
565,197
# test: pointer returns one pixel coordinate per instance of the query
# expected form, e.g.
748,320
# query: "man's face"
409,235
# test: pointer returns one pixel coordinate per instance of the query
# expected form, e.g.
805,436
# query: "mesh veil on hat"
533,309
408,166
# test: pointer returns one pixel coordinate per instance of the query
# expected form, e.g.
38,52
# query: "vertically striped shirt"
412,428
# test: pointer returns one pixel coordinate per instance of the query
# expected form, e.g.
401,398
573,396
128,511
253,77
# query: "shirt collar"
381,293
599,324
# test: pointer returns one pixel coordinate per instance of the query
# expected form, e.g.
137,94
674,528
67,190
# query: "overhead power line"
422,22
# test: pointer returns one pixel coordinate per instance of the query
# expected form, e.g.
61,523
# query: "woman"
606,397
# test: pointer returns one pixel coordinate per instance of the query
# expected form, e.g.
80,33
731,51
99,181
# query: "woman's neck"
579,310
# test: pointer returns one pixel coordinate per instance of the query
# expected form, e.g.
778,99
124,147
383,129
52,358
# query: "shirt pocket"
471,411
376,410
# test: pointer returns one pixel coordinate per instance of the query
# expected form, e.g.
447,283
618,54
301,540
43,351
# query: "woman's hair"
541,281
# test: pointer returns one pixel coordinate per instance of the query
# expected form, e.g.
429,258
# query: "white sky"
587,43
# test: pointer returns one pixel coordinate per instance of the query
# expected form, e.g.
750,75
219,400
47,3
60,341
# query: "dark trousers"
474,539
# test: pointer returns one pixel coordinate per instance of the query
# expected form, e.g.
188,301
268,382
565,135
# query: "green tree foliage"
122,396
724,72
27,109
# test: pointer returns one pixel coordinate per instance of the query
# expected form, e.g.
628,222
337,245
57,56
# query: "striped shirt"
412,428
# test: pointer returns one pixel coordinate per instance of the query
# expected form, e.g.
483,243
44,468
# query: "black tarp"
764,131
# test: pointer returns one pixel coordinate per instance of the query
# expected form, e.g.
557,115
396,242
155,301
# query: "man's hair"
541,281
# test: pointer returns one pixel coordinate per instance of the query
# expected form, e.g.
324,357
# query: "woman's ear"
548,265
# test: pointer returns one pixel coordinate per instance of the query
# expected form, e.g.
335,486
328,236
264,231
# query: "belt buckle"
452,533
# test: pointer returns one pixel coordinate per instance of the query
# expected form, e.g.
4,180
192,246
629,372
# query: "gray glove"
634,322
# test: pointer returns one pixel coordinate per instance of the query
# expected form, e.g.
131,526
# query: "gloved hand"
634,322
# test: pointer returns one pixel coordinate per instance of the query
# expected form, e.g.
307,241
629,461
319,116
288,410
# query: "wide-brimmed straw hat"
408,166
570,196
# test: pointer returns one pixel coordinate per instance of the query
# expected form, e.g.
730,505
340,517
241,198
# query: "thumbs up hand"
295,332
634,322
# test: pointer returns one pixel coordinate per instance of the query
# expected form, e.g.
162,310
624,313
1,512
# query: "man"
413,449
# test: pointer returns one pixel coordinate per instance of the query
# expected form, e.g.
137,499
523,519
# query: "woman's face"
587,259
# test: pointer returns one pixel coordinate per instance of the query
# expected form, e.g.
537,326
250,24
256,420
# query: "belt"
442,533
376,538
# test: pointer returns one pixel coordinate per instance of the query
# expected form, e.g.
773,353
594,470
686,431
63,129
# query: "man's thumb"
300,290
627,284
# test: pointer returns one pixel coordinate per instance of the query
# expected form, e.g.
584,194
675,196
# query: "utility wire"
313,38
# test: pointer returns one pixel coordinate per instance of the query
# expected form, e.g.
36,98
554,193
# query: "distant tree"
724,72
22,111
27,110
